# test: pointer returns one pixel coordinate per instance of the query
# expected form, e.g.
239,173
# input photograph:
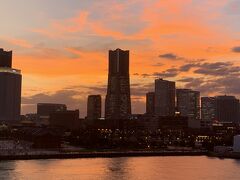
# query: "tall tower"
10,89
164,97
118,102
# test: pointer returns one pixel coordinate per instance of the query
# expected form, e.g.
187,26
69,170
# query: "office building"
208,111
10,89
94,107
188,104
164,97
150,103
227,109
45,109
118,102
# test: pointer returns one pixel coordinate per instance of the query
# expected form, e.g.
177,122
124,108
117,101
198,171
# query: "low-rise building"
65,119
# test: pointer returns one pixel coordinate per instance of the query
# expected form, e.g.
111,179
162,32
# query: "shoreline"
102,155
115,154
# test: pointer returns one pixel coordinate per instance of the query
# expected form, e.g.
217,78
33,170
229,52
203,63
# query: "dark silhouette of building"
150,103
41,138
45,109
94,107
151,122
227,109
5,58
10,89
164,97
173,122
65,119
188,103
118,102
208,111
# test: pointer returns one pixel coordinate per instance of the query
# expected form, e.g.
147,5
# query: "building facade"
118,101
188,103
164,97
208,111
44,110
94,107
150,103
10,89
227,109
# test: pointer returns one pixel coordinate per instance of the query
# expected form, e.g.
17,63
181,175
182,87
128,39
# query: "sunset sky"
62,46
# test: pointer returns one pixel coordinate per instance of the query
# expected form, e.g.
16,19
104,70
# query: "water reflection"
117,168
6,169
182,168
237,161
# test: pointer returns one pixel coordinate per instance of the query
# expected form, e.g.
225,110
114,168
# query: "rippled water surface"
183,168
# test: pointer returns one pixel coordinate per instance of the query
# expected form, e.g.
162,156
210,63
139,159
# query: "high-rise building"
208,111
118,102
150,103
227,109
188,103
44,110
10,89
164,97
94,107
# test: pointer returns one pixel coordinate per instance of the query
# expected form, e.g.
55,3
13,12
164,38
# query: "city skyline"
61,50
168,100
120,89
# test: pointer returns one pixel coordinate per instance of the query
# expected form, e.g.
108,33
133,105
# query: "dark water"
183,168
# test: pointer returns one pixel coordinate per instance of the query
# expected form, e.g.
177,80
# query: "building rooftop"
51,104
9,70
226,97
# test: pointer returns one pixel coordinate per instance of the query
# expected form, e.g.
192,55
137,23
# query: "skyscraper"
188,103
94,107
118,102
10,89
150,103
227,109
164,97
208,111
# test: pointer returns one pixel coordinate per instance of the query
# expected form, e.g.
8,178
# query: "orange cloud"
21,42
18,42
59,28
